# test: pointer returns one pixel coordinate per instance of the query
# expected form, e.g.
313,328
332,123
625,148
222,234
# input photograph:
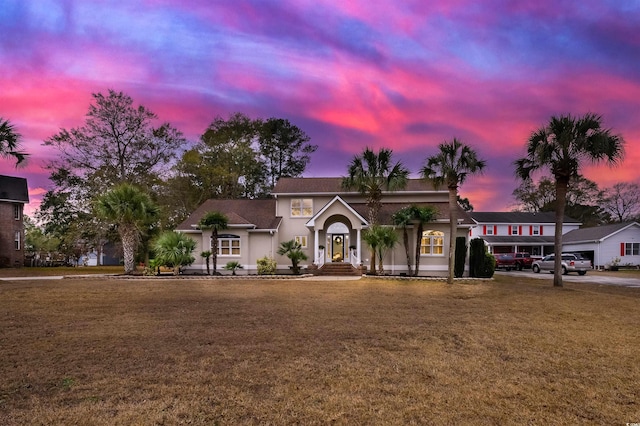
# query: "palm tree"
293,250
207,255
450,167
380,239
174,249
403,218
372,173
10,142
131,210
562,146
215,221
421,215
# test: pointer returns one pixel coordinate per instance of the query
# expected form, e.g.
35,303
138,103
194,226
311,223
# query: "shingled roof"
385,215
254,214
333,186
518,217
596,233
14,189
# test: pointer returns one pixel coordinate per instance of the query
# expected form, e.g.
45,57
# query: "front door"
337,248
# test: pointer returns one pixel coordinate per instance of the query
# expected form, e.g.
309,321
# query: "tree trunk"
405,239
561,199
419,232
453,227
129,237
214,250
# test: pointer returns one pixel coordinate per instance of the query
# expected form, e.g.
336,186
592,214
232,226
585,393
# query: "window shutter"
484,230
540,229
621,249
520,230
530,229
495,229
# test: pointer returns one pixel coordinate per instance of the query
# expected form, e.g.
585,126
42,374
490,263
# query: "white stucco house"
328,222
606,244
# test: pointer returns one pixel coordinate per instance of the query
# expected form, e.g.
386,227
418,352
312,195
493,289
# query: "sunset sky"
404,75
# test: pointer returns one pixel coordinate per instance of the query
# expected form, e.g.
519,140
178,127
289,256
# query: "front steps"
337,269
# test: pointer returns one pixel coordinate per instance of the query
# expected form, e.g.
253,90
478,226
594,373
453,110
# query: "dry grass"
59,270
99,351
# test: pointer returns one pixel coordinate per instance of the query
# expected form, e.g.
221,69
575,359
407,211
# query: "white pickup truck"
571,262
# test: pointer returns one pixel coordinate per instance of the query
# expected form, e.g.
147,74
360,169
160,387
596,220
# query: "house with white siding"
511,232
607,244
329,223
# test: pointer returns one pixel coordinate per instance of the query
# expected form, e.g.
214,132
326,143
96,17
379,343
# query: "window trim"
17,240
230,238
629,249
431,246
17,211
303,240
302,208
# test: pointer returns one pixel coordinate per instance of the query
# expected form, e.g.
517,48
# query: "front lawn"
511,351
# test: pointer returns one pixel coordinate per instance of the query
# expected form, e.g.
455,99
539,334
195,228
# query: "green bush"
482,264
461,255
267,266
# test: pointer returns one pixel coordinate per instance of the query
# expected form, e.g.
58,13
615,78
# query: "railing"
355,259
320,259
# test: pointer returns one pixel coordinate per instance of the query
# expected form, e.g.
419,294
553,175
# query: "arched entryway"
338,241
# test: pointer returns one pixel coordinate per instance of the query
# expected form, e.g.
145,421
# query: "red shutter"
621,249
530,230
540,229
484,230
520,230
495,229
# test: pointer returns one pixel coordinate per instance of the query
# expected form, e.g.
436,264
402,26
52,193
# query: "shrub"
232,266
482,264
293,250
267,266
461,256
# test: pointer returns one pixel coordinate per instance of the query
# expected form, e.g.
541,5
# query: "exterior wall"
609,249
9,225
502,229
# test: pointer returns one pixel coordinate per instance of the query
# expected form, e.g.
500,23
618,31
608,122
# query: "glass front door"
337,248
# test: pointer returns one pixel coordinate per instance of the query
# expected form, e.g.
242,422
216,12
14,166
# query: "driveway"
592,277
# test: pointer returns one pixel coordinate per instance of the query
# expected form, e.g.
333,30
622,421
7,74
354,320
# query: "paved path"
592,277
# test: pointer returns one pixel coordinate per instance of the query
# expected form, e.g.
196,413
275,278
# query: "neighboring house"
14,194
327,221
606,244
511,232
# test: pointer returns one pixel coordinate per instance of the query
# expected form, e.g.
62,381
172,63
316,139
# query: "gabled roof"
333,186
596,233
252,214
519,217
335,200
14,189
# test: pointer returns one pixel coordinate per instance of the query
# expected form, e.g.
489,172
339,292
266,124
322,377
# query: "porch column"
359,247
316,249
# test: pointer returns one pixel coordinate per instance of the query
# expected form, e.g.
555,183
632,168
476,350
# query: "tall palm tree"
403,218
215,221
421,215
452,165
562,146
370,174
10,142
132,211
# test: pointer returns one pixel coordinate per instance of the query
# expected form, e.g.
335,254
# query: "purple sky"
404,75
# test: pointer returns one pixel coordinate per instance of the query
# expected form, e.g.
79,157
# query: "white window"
432,243
514,230
535,230
301,207
17,239
228,245
17,211
302,240
489,230
631,249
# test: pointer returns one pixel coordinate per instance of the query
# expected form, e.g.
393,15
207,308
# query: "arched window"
432,243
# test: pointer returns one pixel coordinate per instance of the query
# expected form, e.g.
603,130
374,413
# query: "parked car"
571,262
523,260
505,261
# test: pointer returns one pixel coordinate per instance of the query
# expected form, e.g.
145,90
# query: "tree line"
243,158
